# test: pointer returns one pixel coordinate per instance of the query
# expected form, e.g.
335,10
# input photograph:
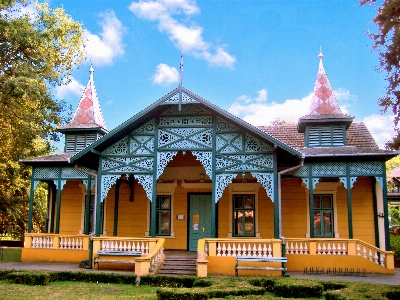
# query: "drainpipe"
89,266
285,274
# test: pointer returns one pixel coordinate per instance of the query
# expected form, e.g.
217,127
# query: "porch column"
382,215
214,179
277,200
97,201
153,204
58,212
349,202
88,199
311,190
31,195
116,204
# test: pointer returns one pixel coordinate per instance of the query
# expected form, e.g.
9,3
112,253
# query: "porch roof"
89,156
49,160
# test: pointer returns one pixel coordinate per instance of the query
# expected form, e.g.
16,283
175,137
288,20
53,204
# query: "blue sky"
256,59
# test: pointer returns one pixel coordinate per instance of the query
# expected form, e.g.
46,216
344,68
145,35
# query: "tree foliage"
37,51
387,43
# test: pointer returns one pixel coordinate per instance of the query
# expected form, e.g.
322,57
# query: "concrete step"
178,265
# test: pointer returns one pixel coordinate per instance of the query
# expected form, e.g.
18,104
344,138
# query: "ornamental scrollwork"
119,148
205,157
163,158
267,181
147,183
222,182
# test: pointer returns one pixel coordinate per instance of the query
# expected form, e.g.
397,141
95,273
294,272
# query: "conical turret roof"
88,114
324,105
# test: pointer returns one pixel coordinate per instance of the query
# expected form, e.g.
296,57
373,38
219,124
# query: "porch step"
178,264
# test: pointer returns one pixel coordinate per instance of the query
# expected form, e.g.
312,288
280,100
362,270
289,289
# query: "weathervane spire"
180,81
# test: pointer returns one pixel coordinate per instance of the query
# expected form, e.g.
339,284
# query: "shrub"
202,283
168,281
288,288
395,247
29,278
180,294
267,283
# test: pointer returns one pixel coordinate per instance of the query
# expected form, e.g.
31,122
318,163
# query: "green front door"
199,218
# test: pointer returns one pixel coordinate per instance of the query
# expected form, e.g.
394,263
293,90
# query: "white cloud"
257,111
381,128
103,48
165,74
73,87
184,36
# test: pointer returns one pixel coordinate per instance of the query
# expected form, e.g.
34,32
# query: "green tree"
37,52
387,43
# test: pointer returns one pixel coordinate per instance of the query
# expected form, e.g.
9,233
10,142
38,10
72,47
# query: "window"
163,215
243,215
323,216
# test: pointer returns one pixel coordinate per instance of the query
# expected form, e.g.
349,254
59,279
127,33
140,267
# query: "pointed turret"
87,123
88,114
324,102
325,124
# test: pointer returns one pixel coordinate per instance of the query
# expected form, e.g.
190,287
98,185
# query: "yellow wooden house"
184,174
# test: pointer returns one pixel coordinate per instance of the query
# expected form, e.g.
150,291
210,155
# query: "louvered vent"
327,136
78,142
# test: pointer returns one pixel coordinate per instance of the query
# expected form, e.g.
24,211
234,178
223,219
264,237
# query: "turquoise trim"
98,200
214,217
311,191
349,202
375,207
58,212
277,205
385,207
31,196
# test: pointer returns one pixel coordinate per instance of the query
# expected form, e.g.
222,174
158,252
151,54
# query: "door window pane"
163,215
323,216
243,215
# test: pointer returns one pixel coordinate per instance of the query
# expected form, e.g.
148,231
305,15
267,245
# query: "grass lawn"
83,290
11,254
76,290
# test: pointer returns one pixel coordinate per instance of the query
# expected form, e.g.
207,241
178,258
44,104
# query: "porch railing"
336,247
152,250
56,241
240,247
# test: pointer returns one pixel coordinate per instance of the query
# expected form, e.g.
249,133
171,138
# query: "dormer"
87,124
325,125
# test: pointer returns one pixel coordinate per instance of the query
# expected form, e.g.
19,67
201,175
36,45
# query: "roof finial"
181,68
91,71
180,81
320,55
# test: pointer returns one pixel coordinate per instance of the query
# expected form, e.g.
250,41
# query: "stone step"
178,265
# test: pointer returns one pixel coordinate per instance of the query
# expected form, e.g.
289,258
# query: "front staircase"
178,263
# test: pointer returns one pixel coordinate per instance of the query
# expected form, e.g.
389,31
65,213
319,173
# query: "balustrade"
55,241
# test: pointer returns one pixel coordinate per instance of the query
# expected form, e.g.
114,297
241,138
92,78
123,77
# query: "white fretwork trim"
267,181
352,181
222,182
380,180
163,158
344,181
314,182
147,183
92,182
107,181
205,157
35,184
63,182
306,181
